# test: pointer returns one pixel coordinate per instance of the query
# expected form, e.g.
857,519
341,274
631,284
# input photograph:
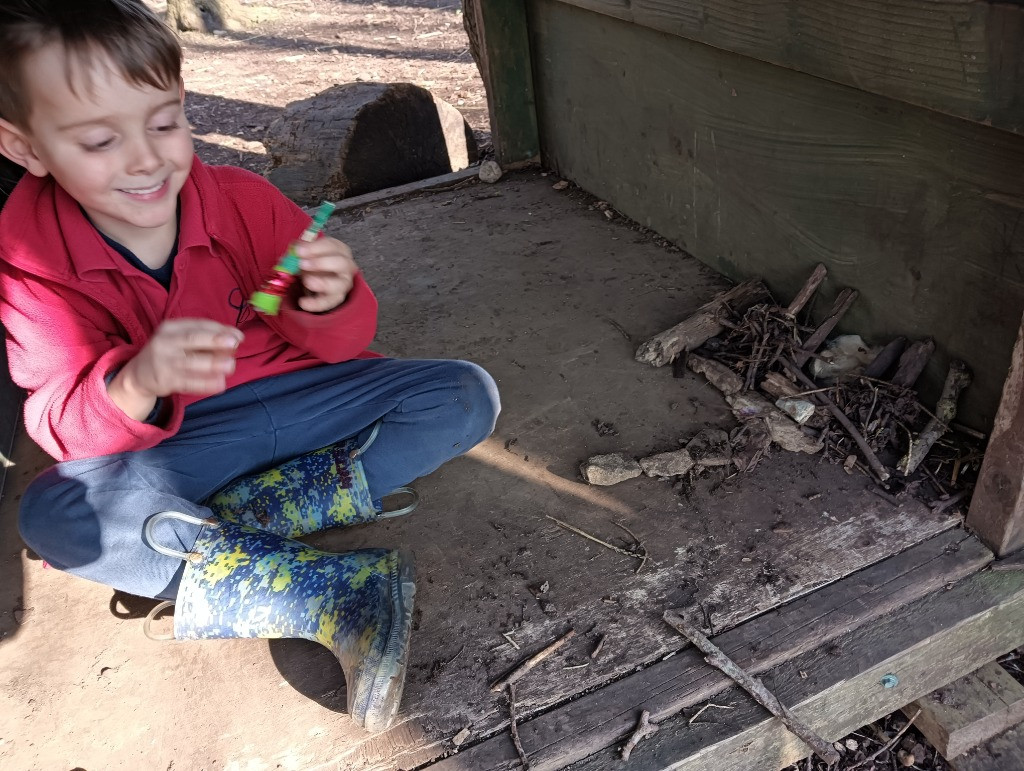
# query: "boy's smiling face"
122,150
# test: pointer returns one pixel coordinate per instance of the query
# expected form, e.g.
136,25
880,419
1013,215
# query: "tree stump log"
357,138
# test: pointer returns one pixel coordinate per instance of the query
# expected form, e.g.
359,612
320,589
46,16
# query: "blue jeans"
86,516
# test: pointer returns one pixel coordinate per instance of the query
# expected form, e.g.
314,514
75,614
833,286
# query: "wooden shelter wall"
757,169
960,57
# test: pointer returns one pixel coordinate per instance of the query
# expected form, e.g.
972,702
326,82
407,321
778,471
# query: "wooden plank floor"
552,298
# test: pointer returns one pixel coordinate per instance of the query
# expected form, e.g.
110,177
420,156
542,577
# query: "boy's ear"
16,145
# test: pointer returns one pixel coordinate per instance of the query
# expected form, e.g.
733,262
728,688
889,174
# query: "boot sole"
389,680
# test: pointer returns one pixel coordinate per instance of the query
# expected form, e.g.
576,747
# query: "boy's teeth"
143,190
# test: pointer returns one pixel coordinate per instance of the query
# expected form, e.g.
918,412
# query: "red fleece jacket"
75,311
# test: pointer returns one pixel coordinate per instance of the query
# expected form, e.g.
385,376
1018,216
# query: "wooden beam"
600,719
970,710
959,57
1002,753
841,686
997,507
499,35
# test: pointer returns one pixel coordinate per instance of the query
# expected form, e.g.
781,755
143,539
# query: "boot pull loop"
369,440
149,536
405,509
147,623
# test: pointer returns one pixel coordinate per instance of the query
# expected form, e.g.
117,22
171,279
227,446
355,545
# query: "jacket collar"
43,230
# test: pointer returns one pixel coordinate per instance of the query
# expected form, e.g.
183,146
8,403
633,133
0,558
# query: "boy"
124,266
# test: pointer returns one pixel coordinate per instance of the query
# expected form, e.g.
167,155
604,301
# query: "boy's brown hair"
141,46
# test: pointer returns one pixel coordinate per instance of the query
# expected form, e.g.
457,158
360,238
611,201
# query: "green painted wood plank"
498,30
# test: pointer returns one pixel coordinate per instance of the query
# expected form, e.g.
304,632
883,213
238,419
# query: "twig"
644,729
698,713
884,495
597,648
508,636
753,686
865,449
530,663
969,431
808,290
513,729
639,544
958,378
841,305
585,534
940,506
888,745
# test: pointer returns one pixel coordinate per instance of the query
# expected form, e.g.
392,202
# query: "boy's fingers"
205,362
318,303
202,385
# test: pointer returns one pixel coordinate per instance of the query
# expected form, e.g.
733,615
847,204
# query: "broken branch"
913,362
530,663
957,379
869,455
513,728
644,729
808,290
842,304
753,686
701,326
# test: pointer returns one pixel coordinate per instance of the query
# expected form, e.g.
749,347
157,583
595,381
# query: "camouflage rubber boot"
242,582
321,489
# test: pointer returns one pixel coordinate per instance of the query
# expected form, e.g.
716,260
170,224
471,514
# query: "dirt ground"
552,297
238,82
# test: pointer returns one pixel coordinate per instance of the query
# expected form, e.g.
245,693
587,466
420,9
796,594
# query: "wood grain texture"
970,710
958,57
836,688
500,39
601,718
997,506
1001,753
759,170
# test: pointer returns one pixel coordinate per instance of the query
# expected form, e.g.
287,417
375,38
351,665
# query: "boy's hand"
183,356
328,272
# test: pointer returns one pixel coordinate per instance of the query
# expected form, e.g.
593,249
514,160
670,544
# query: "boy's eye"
167,127
95,147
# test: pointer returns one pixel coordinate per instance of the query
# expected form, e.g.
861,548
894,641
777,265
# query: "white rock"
667,464
490,172
610,469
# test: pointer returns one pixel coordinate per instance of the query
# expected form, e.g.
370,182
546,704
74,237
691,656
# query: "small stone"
548,607
610,469
490,172
609,214
851,745
667,464
560,185
906,759
461,737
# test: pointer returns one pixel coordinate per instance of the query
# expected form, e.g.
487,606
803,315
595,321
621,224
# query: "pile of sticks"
871,418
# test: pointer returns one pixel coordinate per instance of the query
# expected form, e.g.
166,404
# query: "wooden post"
499,39
997,508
